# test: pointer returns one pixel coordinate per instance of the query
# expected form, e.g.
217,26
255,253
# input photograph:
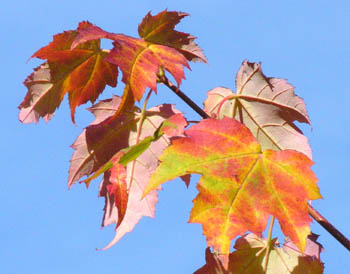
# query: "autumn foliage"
254,162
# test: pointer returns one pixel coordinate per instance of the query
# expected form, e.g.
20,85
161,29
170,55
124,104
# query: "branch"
329,227
163,79
312,212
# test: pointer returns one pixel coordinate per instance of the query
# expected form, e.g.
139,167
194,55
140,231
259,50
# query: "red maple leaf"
82,72
139,60
160,29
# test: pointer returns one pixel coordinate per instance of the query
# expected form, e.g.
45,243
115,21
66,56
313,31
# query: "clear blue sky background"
47,229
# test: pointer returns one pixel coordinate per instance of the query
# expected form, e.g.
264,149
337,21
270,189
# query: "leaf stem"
312,211
143,111
142,118
268,248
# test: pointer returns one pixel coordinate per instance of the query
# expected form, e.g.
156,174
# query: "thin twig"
163,79
329,227
312,212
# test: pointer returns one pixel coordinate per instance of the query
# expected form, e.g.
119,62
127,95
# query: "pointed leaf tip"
154,27
42,98
160,29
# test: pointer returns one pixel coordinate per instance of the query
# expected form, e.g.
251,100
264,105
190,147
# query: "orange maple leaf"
241,186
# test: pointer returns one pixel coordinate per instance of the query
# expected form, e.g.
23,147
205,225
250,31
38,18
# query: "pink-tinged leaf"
101,140
172,127
240,185
81,72
138,174
160,29
313,248
43,97
175,125
267,106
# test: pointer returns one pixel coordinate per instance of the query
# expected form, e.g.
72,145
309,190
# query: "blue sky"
47,229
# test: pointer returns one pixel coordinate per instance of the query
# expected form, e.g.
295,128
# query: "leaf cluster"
254,162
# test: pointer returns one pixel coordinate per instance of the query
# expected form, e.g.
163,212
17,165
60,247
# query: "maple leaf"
82,73
172,127
283,260
267,106
250,257
141,67
102,139
159,29
43,97
240,185
138,59
138,173
100,144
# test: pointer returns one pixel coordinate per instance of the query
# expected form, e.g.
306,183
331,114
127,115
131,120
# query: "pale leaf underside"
267,106
138,174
